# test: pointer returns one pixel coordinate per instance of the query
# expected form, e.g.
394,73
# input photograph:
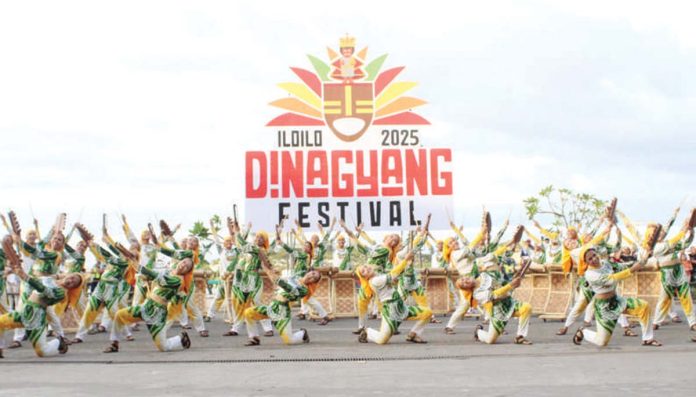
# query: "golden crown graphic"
348,95
347,41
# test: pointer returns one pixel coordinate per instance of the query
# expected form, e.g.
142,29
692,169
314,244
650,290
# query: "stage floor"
334,363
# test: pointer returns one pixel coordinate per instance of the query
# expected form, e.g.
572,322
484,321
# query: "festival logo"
349,146
348,95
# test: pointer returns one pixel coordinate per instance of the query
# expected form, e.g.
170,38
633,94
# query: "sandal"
578,337
1,356
433,320
629,332
76,341
676,320
101,329
358,331
656,327
362,338
231,333
449,331
301,317
185,340
112,348
255,341
693,327
204,333
207,319
521,340
268,333
187,326
62,345
413,338
651,342
324,321
476,330
130,338
305,337
15,345
562,331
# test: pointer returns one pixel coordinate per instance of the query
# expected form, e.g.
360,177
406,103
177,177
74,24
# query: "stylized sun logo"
346,96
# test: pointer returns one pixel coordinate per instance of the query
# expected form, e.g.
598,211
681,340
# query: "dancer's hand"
516,282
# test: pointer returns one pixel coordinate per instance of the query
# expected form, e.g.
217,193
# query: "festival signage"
348,145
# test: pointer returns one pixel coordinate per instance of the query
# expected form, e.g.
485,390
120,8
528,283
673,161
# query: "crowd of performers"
130,287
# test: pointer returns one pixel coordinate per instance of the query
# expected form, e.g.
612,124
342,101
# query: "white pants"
601,337
314,304
459,312
289,336
192,310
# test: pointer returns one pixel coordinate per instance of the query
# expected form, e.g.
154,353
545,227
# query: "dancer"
278,311
394,310
170,288
667,254
496,299
609,305
43,293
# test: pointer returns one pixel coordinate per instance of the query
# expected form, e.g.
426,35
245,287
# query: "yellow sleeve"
96,253
418,239
629,226
628,240
677,237
300,236
459,233
502,290
398,269
531,235
622,275
366,237
109,239
476,240
501,250
128,232
598,238
548,233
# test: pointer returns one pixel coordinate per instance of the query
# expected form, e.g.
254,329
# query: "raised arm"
629,226
401,266
127,229
551,235
458,232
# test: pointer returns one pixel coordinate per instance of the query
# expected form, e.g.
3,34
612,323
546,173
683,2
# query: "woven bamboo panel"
345,292
649,286
323,293
560,296
541,288
199,293
524,292
437,292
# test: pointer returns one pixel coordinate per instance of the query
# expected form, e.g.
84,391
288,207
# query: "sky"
146,107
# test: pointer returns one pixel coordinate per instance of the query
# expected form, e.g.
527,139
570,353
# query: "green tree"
568,208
